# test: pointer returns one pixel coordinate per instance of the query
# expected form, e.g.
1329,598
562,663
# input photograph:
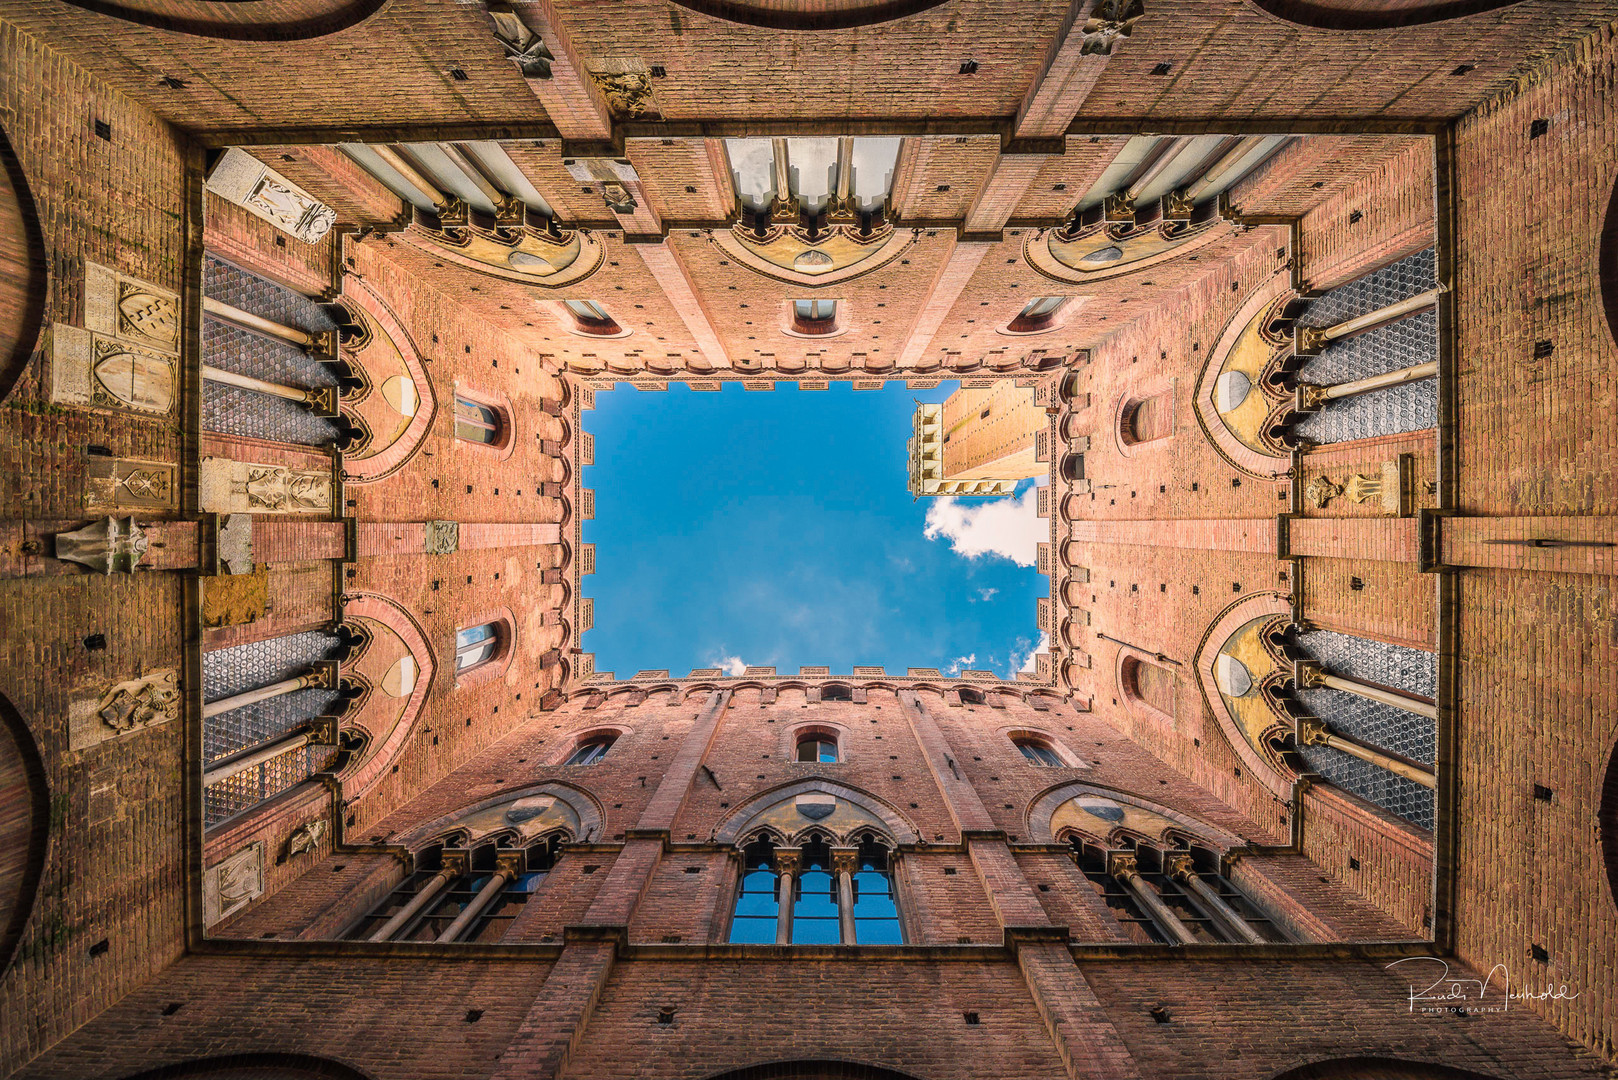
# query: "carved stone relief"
88,368
232,884
129,309
1110,20
627,86
107,712
110,545
243,487
234,599
241,178
443,537
130,484
1390,485
306,837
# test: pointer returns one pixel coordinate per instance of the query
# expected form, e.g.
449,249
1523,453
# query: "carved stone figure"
274,487
1321,491
149,700
111,545
443,537
1109,21
628,93
306,837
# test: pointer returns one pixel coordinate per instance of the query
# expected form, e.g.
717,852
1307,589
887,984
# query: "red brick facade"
141,936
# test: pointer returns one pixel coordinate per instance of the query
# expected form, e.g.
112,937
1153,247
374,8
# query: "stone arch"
1243,733
254,1067
386,743
1236,392
1376,15
580,806
1044,807
265,20
23,275
748,817
1378,1068
24,829
824,15
817,1069
386,352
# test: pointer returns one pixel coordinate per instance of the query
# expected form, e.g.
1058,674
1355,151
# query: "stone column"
1181,869
321,732
1313,732
844,862
1308,340
1308,675
1309,397
1122,865
786,866
454,865
322,676
507,866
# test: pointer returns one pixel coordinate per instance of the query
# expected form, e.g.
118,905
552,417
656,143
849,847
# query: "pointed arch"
1044,807
585,808
741,821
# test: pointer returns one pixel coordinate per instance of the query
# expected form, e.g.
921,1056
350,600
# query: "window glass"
756,908
475,422
475,645
876,916
588,753
814,913
814,310
1041,306
817,748
1038,753
584,309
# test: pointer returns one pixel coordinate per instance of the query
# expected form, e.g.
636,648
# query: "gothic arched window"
460,895
1037,751
757,907
478,423
476,645
1037,316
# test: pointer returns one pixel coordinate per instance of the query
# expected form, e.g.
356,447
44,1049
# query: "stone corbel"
522,44
109,545
1110,20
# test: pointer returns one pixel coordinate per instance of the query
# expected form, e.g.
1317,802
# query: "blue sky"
776,528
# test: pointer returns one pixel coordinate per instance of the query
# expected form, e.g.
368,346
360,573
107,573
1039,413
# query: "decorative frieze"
241,178
130,484
122,708
243,487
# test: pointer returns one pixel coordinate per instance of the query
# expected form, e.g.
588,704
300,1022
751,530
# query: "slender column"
1309,397
844,861
785,204
453,867
474,173
1210,175
1308,675
506,867
1181,869
1307,340
1121,865
322,400
1313,732
248,321
1120,205
239,762
322,675
412,175
786,865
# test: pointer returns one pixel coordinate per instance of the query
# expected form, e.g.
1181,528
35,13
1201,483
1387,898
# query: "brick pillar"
548,1036
1079,1028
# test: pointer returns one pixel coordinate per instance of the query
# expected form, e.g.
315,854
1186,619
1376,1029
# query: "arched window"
814,317
476,645
1146,419
478,423
1172,895
836,693
757,908
591,750
1038,315
461,895
1150,684
817,746
876,913
835,896
1073,467
1037,751
590,317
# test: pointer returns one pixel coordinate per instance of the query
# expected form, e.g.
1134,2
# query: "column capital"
1308,675
1312,732
788,860
845,860
1179,867
1122,865
455,863
510,863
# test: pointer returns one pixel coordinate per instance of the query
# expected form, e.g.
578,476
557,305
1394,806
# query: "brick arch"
1607,818
24,826
23,275
263,20
809,14
374,314
1378,1068
585,806
254,1067
1043,808
817,1069
1608,260
1374,14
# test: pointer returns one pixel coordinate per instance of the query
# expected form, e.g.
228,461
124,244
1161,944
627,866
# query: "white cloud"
1008,527
985,595
960,662
1022,662
730,665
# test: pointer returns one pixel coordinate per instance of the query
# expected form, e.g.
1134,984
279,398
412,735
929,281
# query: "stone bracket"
226,544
